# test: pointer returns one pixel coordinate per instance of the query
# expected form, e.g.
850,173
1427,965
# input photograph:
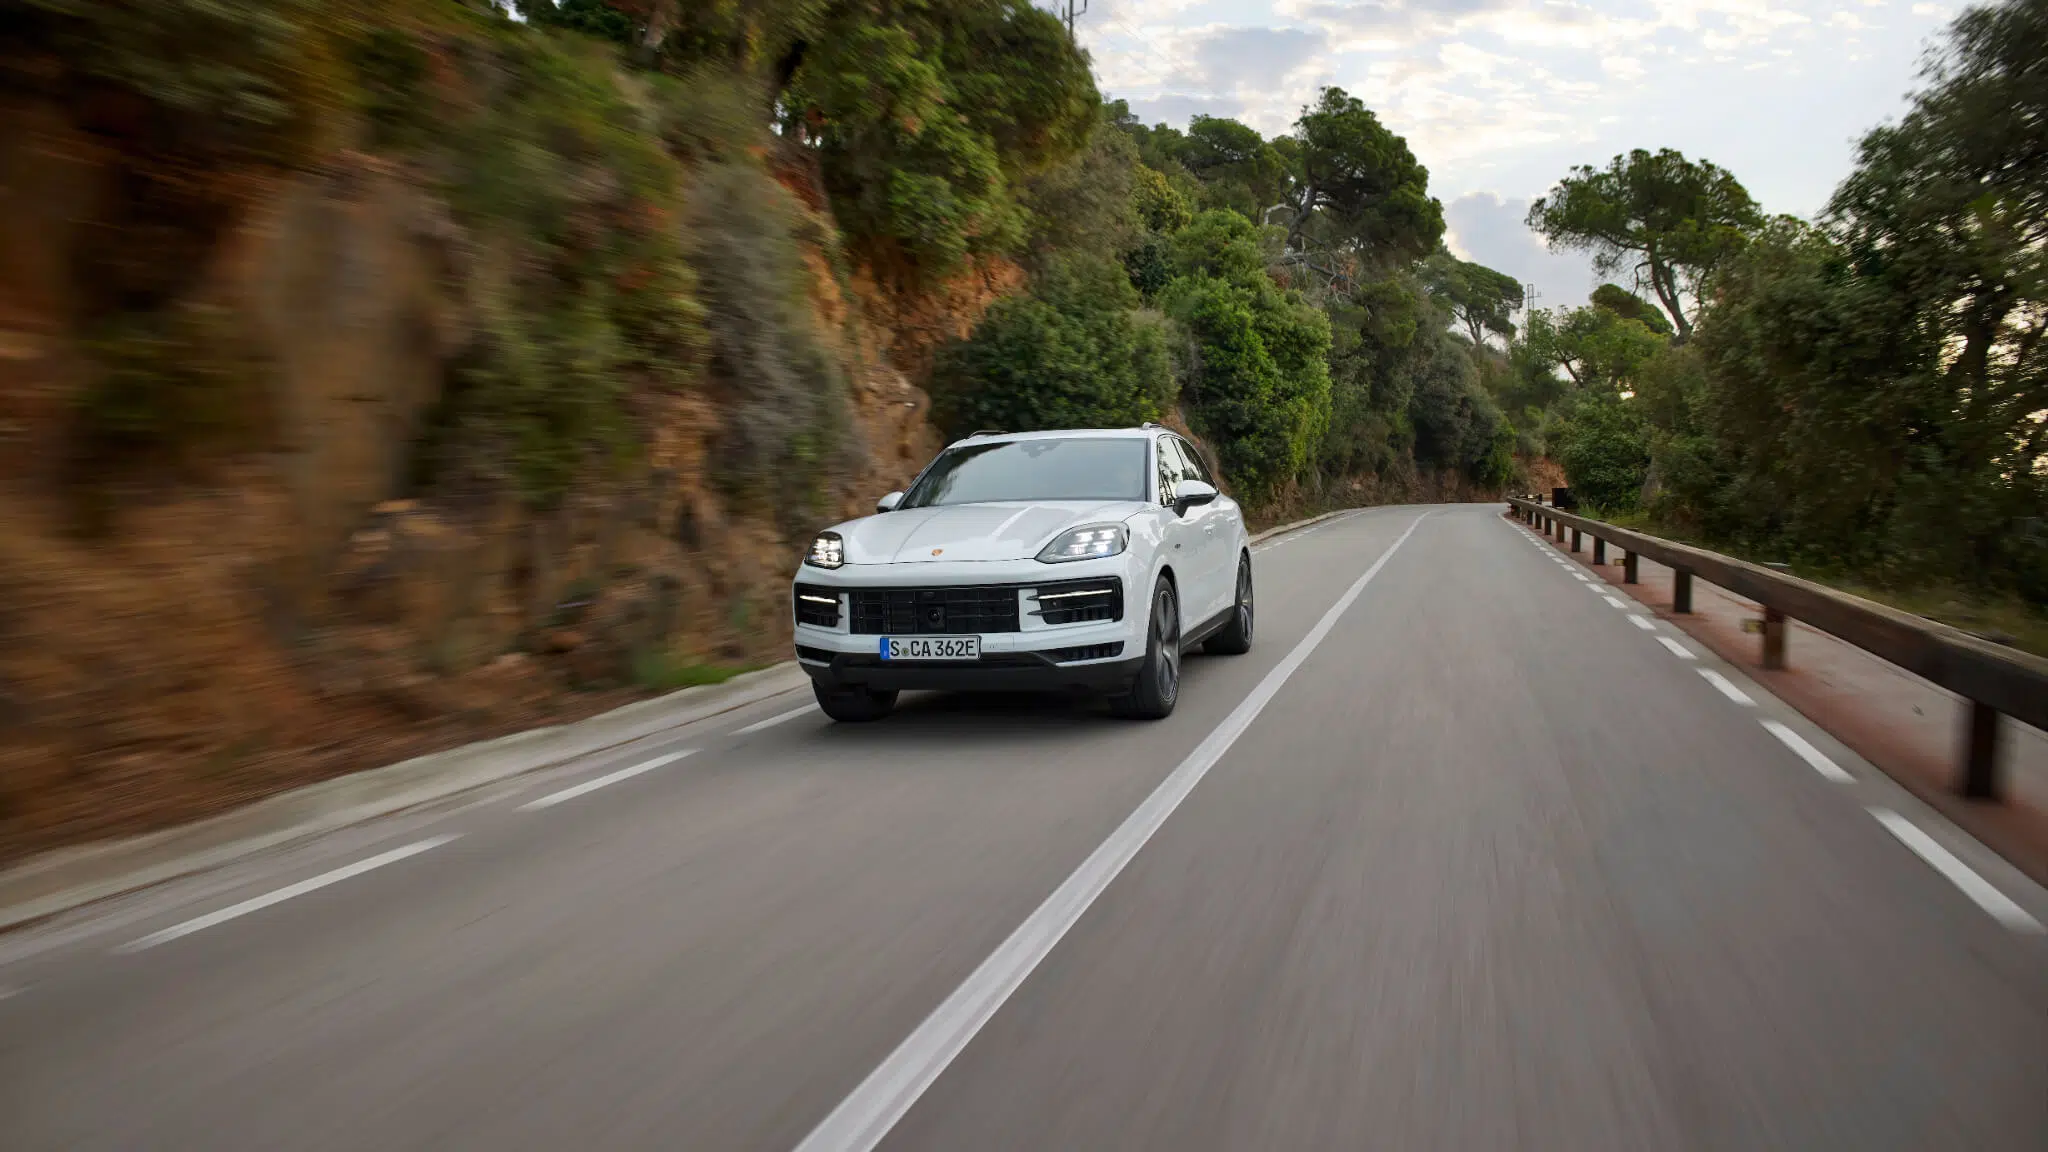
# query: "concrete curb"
1300,524
68,877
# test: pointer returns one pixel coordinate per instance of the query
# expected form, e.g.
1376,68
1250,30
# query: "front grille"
811,607
1080,601
933,611
1087,652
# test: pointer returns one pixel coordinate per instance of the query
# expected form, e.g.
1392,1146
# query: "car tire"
1157,687
1236,637
852,704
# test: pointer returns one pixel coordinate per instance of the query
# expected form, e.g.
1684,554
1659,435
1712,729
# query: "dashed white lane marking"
257,904
1581,577
1726,686
873,1108
1684,653
1615,602
1958,873
554,798
1642,622
772,721
1807,752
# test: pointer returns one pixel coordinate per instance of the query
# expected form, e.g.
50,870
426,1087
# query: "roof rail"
985,432
1151,424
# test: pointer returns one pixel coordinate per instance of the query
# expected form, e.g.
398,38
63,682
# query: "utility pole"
1073,12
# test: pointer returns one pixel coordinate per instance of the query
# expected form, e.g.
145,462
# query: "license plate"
931,647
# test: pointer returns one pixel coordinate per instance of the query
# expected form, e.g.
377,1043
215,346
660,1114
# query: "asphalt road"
1472,862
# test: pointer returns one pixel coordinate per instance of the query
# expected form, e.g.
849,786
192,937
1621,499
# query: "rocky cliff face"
293,602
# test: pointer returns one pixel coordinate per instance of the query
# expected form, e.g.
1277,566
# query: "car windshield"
1063,468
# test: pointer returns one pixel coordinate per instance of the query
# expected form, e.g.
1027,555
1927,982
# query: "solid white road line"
1643,622
1726,686
1977,888
1684,653
554,798
772,721
872,1109
1807,752
259,903
1615,602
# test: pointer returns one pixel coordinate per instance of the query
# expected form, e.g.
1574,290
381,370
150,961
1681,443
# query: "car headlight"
1086,543
827,551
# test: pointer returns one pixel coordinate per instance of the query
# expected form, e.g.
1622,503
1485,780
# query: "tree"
1596,349
1237,168
1160,207
1477,296
1669,220
1087,202
1073,352
1359,184
1629,306
1604,451
1259,387
928,115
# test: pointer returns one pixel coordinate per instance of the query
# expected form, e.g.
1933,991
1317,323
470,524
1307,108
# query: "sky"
1500,98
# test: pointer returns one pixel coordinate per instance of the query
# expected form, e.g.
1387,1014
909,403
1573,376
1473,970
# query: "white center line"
259,903
1615,602
1684,653
1807,752
1642,622
872,1109
554,798
1977,888
772,721
1726,686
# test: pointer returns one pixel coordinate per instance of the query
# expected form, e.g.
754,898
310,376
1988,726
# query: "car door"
1228,518
1202,584
1182,539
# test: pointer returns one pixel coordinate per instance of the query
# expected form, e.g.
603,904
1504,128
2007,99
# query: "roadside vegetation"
1864,395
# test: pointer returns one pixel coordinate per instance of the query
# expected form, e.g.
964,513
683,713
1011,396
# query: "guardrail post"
1774,638
1628,567
1681,591
1980,753
1575,539
1599,551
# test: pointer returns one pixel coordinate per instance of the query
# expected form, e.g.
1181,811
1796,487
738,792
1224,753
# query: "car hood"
1008,530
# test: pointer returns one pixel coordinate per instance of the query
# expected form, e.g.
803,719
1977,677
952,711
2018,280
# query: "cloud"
1486,229
1232,59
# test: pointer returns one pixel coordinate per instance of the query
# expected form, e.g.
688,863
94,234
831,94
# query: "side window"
1197,468
1171,468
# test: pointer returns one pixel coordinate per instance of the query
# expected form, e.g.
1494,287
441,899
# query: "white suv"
1041,560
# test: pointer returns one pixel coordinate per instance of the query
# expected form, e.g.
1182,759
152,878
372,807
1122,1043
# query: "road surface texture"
1460,857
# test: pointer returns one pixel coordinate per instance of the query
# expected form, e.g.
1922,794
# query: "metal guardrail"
1998,681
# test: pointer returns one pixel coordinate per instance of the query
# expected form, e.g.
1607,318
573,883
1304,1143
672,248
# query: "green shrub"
786,409
1604,453
1074,352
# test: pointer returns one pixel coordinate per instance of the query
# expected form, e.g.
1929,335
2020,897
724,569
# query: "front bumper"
994,672
1099,656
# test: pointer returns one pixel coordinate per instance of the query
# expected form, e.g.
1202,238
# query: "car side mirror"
1189,493
888,503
